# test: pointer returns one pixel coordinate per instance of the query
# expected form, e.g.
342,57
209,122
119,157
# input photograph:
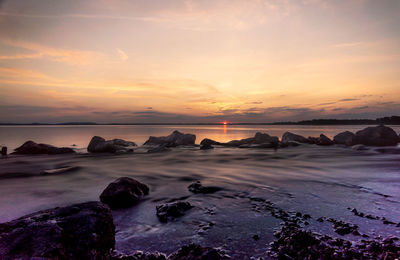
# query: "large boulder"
289,137
346,138
100,145
81,231
175,139
261,140
377,136
31,147
123,192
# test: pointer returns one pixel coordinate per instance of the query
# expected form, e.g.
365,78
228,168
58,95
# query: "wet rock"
170,211
197,252
206,147
346,138
31,147
123,192
175,139
377,136
260,140
321,140
138,255
388,150
197,187
343,228
158,149
81,231
4,150
207,141
288,136
100,145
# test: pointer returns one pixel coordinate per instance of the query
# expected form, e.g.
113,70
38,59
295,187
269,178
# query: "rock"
81,231
100,145
260,140
206,147
321,140
207,141
4,150
377,136
346,138
388,150
158,149
138,255
31,147
324,140
175,139
197,187
170,211
197,252
123,192
288,136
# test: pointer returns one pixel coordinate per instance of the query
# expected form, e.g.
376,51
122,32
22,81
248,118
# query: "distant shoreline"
393,120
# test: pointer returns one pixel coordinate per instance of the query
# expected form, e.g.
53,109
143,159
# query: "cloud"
348,99
122,55
67,56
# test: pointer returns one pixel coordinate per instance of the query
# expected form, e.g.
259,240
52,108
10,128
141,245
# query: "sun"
224,123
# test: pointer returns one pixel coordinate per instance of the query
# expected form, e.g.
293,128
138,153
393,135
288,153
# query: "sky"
187,61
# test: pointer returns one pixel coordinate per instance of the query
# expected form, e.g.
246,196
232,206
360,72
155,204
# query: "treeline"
392,120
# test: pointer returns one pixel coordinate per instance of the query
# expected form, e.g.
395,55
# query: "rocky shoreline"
87,231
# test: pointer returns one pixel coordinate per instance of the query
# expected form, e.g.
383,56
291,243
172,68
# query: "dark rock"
197,187
346,138
206,146
207,141
4,150
324,140
256,237
81,231
359,147
197,252
139,255
175,139
260,140
123,192
388,150
158,149
31,147
170,211
377,136
100,145
288,137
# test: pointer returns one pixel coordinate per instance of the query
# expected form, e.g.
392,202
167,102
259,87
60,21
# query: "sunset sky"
113,61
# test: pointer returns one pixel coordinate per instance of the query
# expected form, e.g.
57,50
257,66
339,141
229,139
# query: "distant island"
392,120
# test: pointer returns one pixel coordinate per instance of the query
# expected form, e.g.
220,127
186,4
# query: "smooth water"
320,181
79,136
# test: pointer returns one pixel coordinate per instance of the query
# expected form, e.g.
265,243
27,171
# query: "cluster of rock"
87,231
371,136
3,150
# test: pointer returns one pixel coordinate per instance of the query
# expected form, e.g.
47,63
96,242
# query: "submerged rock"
346,138
288,136
197,187
170,211
359,147
100,145
31,147
80,231
197,252
175,139
139,255
207,141
377,136
123,192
